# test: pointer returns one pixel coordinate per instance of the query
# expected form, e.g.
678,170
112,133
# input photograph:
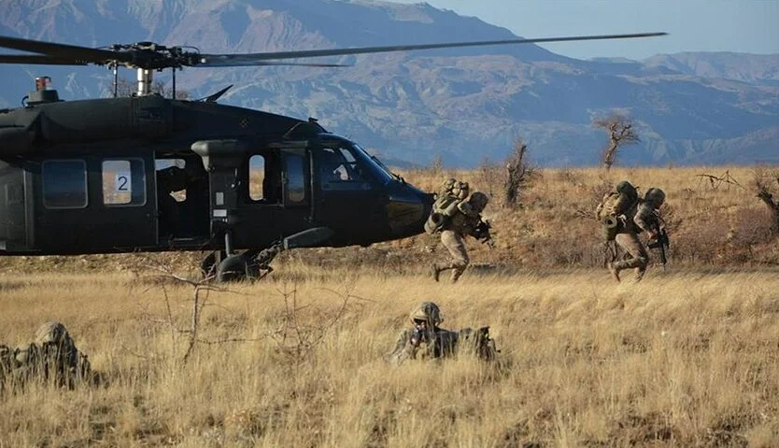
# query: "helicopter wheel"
232,268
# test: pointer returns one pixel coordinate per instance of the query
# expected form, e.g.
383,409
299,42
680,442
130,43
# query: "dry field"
682,359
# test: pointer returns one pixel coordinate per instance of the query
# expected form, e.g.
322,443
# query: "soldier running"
624,219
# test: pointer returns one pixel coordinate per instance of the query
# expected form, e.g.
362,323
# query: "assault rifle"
482,233
660,242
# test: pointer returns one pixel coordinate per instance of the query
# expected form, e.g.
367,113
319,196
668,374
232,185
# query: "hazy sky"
748,26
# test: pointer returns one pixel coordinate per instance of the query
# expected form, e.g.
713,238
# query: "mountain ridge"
463,105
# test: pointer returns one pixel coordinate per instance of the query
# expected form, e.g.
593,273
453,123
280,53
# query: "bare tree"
518,173
762,183
621,132
437,165
488,174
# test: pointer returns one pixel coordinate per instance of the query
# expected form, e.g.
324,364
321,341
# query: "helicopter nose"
407,211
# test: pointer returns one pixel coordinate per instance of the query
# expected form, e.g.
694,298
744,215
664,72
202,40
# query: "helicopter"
148,174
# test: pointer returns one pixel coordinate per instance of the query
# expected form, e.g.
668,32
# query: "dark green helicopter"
148,173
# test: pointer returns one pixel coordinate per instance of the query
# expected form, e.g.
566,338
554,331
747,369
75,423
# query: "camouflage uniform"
52,357
646,219
463,222
428,341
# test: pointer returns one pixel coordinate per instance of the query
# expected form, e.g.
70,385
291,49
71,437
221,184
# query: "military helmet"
427,311
623,187
656,196
479,201
51,332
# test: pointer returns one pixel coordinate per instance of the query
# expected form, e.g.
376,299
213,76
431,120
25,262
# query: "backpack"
444,208
622,201
478,343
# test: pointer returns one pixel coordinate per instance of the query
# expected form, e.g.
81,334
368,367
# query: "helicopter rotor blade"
39,59
78,55
224,60
237,62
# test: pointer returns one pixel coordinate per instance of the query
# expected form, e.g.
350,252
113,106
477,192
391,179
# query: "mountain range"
463,105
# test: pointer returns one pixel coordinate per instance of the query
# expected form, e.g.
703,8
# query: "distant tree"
518,173
437,165
762,182
620,131
125,88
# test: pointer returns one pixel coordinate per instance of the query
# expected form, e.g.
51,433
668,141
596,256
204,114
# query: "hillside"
464,105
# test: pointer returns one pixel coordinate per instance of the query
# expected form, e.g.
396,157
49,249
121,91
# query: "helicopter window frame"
265,180
136,182
349,173
57,179
295,177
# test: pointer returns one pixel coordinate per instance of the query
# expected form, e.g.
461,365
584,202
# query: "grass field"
688,358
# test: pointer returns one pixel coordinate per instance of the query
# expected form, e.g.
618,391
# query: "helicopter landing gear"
253,264
208,265
233,268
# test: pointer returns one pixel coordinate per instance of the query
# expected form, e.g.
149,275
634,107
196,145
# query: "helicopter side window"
295,186
265,178
124,182
64,183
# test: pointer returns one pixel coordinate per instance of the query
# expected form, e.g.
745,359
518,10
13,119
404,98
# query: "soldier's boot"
640,274
614,271
456,273
435,271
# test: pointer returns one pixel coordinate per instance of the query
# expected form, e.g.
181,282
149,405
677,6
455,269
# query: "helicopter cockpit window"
339,166
124,182
64,183
265,178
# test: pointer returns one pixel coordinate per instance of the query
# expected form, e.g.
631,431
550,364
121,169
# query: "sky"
745,26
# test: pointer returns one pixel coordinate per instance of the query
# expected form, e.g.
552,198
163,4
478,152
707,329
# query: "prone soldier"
52,357
426,340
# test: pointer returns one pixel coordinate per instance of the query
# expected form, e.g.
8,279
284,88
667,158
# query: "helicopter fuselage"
153,174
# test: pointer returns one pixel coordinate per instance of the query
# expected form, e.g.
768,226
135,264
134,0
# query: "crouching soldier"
426,340
51,358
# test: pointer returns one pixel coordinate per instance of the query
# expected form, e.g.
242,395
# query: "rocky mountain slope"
464,105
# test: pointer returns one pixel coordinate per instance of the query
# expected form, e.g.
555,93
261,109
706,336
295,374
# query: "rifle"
482,233
418,336
660,242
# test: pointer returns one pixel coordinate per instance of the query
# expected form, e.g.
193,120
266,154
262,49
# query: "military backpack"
616,207
444,208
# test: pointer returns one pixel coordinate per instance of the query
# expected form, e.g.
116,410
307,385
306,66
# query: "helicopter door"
261,201
13,229
348,197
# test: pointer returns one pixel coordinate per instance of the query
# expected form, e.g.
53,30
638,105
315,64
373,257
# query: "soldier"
428,341
646,218
454,222
53,356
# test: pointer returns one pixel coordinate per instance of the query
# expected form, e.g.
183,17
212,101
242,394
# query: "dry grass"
686,359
